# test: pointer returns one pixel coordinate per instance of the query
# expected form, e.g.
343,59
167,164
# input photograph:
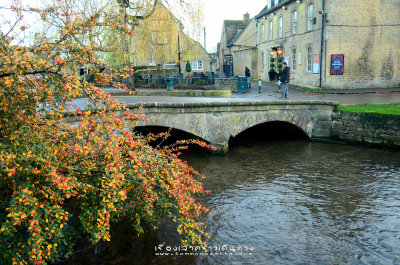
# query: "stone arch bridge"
217,122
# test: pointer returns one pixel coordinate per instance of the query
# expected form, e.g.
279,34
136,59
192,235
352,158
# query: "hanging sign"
286,60
337,64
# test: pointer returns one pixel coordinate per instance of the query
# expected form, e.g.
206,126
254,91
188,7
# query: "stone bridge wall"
217,122
366,129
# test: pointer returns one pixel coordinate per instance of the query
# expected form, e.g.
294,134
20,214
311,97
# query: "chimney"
246,17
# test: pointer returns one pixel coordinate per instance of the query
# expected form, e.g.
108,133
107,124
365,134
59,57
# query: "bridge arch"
217,122
271,130
175,134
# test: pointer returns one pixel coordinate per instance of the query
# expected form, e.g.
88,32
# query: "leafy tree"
156,30
67,170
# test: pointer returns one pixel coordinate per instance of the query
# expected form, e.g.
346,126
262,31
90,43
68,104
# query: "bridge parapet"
216,122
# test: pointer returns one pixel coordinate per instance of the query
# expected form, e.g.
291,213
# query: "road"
269,92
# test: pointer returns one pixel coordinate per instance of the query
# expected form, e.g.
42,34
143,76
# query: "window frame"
310,16
270,30
197,65
280,27
262,62
294,59
294,22
309,59
262,33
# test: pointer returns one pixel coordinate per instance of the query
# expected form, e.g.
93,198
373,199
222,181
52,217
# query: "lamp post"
179,57
322,42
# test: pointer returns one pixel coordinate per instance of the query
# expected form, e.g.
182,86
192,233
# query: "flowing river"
283,202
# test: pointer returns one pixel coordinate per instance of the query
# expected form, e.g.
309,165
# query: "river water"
283,202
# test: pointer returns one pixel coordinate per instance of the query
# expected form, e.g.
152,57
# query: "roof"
267,10
236,37
159,3
233,28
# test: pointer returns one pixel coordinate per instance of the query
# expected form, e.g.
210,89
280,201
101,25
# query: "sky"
216,11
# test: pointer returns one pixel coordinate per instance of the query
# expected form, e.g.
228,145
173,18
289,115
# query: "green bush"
272,65
200,82
280,59
272,60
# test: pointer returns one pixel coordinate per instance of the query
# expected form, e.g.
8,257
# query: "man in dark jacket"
247,74
285,77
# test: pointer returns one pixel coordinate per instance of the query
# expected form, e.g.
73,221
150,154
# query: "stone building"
331,43
244,50
230,30
156,41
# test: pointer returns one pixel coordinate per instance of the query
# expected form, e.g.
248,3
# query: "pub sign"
337,64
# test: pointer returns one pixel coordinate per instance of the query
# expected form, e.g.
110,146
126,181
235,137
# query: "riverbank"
368,129
386,109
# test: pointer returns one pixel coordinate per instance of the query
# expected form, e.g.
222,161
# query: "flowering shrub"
57,180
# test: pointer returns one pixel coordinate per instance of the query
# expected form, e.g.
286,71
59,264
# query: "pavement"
269,92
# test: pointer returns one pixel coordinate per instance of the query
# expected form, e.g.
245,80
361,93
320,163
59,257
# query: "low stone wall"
226,84
183,93
185,83
366,129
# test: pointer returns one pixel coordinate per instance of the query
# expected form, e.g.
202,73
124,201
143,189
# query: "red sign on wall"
315,64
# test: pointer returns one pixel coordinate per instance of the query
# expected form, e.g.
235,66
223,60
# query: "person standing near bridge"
247,74
285,77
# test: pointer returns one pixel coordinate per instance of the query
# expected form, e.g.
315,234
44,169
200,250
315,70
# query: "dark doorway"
228,65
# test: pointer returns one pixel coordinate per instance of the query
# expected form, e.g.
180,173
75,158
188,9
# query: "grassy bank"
391,109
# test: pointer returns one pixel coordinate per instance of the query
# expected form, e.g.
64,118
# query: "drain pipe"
322,42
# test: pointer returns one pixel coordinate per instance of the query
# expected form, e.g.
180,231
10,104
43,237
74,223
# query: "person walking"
285,77
247,74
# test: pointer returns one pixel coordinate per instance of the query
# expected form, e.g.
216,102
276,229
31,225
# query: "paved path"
346,97
269,92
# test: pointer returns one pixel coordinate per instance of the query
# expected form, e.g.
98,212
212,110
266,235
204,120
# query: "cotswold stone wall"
366,129
186,83
225,84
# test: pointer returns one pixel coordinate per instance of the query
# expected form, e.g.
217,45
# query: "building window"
262,62
309,17
197,65
280,27
309,59
294,22
262,32
270,27
294,60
